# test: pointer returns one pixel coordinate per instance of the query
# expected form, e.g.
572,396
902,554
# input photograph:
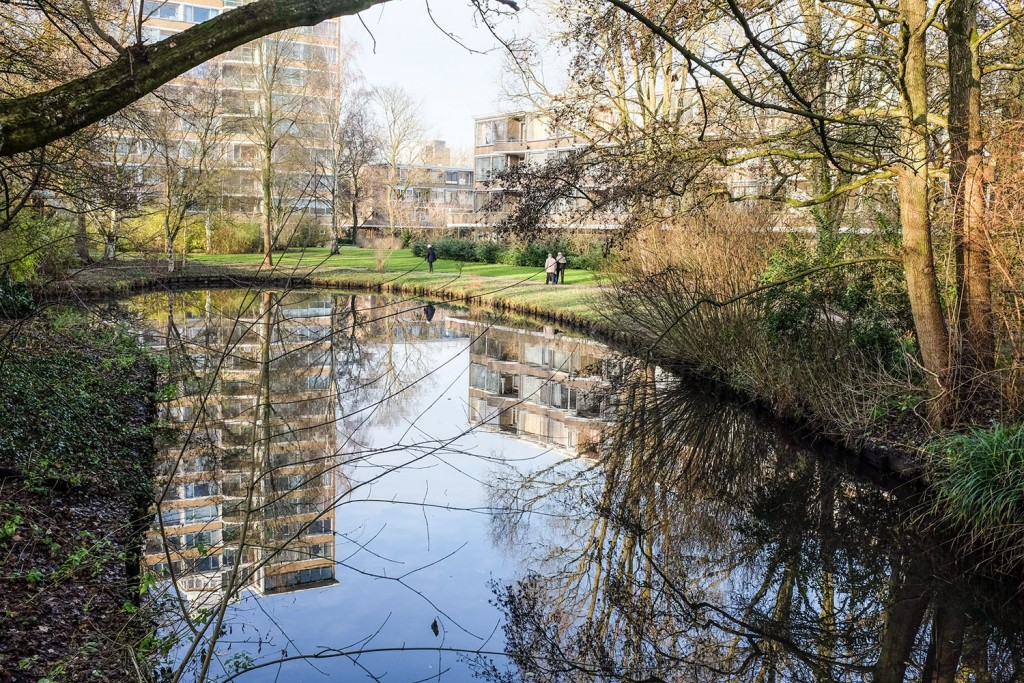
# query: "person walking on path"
551,268
560,264
431,257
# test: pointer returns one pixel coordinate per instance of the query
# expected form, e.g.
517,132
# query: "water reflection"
538,385
289,409
246,492
705,547
354,478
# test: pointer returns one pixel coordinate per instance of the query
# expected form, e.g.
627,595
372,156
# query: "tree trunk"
209,233
975,334
946,645
110,239
912,185
334,209
82,240
267,187
903,617
169,241
355,222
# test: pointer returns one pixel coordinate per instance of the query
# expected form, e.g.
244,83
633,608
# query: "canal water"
358,487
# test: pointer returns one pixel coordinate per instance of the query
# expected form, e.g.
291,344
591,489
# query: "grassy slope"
517,287
394,261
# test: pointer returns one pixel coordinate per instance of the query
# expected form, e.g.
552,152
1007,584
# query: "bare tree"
281,105
827,102
402,137
184,128
131,68
354,145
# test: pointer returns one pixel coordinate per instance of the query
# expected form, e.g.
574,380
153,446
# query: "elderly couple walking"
554,266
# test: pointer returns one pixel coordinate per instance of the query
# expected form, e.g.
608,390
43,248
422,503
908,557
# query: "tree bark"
82,240
34,120
209,233
266,179
355,221
975,332
169,241
110,239
912,185
335,193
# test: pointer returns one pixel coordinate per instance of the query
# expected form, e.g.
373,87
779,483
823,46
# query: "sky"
452,83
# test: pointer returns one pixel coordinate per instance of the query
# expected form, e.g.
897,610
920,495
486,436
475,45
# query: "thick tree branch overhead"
35,120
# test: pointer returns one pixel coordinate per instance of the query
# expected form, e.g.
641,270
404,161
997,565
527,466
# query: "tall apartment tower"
294,76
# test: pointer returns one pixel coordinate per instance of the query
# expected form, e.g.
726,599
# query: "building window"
487,167
244,152
207,564
200,489
170,517
205,513
491,132
158,10
198,15
292,76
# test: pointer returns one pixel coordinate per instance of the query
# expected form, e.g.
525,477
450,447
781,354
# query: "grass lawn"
393,261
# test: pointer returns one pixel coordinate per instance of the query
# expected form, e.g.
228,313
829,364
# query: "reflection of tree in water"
273,396
378,384
700,549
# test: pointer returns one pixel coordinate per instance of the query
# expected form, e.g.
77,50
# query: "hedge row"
531,255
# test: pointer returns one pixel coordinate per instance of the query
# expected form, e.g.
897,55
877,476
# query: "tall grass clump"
978,480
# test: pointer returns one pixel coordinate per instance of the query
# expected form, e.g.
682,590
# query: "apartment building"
507,140
418,196
285,83
502,141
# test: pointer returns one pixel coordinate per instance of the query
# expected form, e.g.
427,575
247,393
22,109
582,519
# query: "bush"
862,307
231,237
815,350
488,252
450,248
36,246
305,234
528,254
16,302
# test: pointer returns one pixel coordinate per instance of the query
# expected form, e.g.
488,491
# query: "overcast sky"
452,83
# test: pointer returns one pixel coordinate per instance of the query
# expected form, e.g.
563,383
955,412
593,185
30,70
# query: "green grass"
394,261
978,478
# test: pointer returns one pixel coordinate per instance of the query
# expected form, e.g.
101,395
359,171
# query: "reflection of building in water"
538,385
256,482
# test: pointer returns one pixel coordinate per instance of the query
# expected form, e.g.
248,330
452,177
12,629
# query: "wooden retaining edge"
886,460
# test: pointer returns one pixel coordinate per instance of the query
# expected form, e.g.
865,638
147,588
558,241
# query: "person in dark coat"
560,263
428,312
431,257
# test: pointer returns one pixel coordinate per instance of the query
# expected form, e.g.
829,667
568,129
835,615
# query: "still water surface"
366,488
